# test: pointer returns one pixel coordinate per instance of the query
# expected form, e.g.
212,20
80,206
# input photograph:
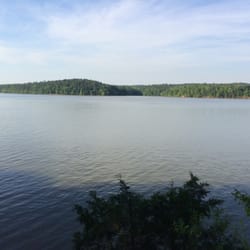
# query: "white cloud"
134,40
138,24
18,55
92,26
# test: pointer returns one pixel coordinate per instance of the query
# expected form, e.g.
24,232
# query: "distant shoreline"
85,87
179,97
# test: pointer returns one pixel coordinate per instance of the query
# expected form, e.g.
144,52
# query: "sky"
125,41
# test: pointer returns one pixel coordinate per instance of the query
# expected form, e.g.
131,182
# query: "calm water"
54,149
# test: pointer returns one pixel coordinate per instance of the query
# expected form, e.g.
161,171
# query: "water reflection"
35,213
53,149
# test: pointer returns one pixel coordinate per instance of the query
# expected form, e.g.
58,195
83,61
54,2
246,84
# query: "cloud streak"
134,41
131,21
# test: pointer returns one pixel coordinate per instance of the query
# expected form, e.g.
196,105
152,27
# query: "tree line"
69,87
233,90
90,87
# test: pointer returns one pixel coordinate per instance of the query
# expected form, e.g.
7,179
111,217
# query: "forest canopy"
90,87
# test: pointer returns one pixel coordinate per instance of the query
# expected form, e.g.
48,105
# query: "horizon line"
124,84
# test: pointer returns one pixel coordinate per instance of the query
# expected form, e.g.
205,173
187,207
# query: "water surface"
54,149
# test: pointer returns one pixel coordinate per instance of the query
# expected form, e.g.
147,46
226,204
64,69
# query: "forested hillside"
233,90
69,87
89,87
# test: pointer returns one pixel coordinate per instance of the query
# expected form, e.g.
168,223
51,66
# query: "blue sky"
125,42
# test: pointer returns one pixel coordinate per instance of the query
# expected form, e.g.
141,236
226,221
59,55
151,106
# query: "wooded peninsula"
90,87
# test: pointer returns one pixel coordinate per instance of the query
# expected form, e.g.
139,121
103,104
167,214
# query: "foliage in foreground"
179,218
244,199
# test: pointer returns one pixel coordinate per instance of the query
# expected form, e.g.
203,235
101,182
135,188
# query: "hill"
68,87
89,87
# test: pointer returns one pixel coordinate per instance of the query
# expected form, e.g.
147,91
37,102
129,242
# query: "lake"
55,149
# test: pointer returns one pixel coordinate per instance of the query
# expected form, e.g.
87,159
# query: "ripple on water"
55,149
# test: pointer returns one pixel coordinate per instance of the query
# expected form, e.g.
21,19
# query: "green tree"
244,199
182,218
